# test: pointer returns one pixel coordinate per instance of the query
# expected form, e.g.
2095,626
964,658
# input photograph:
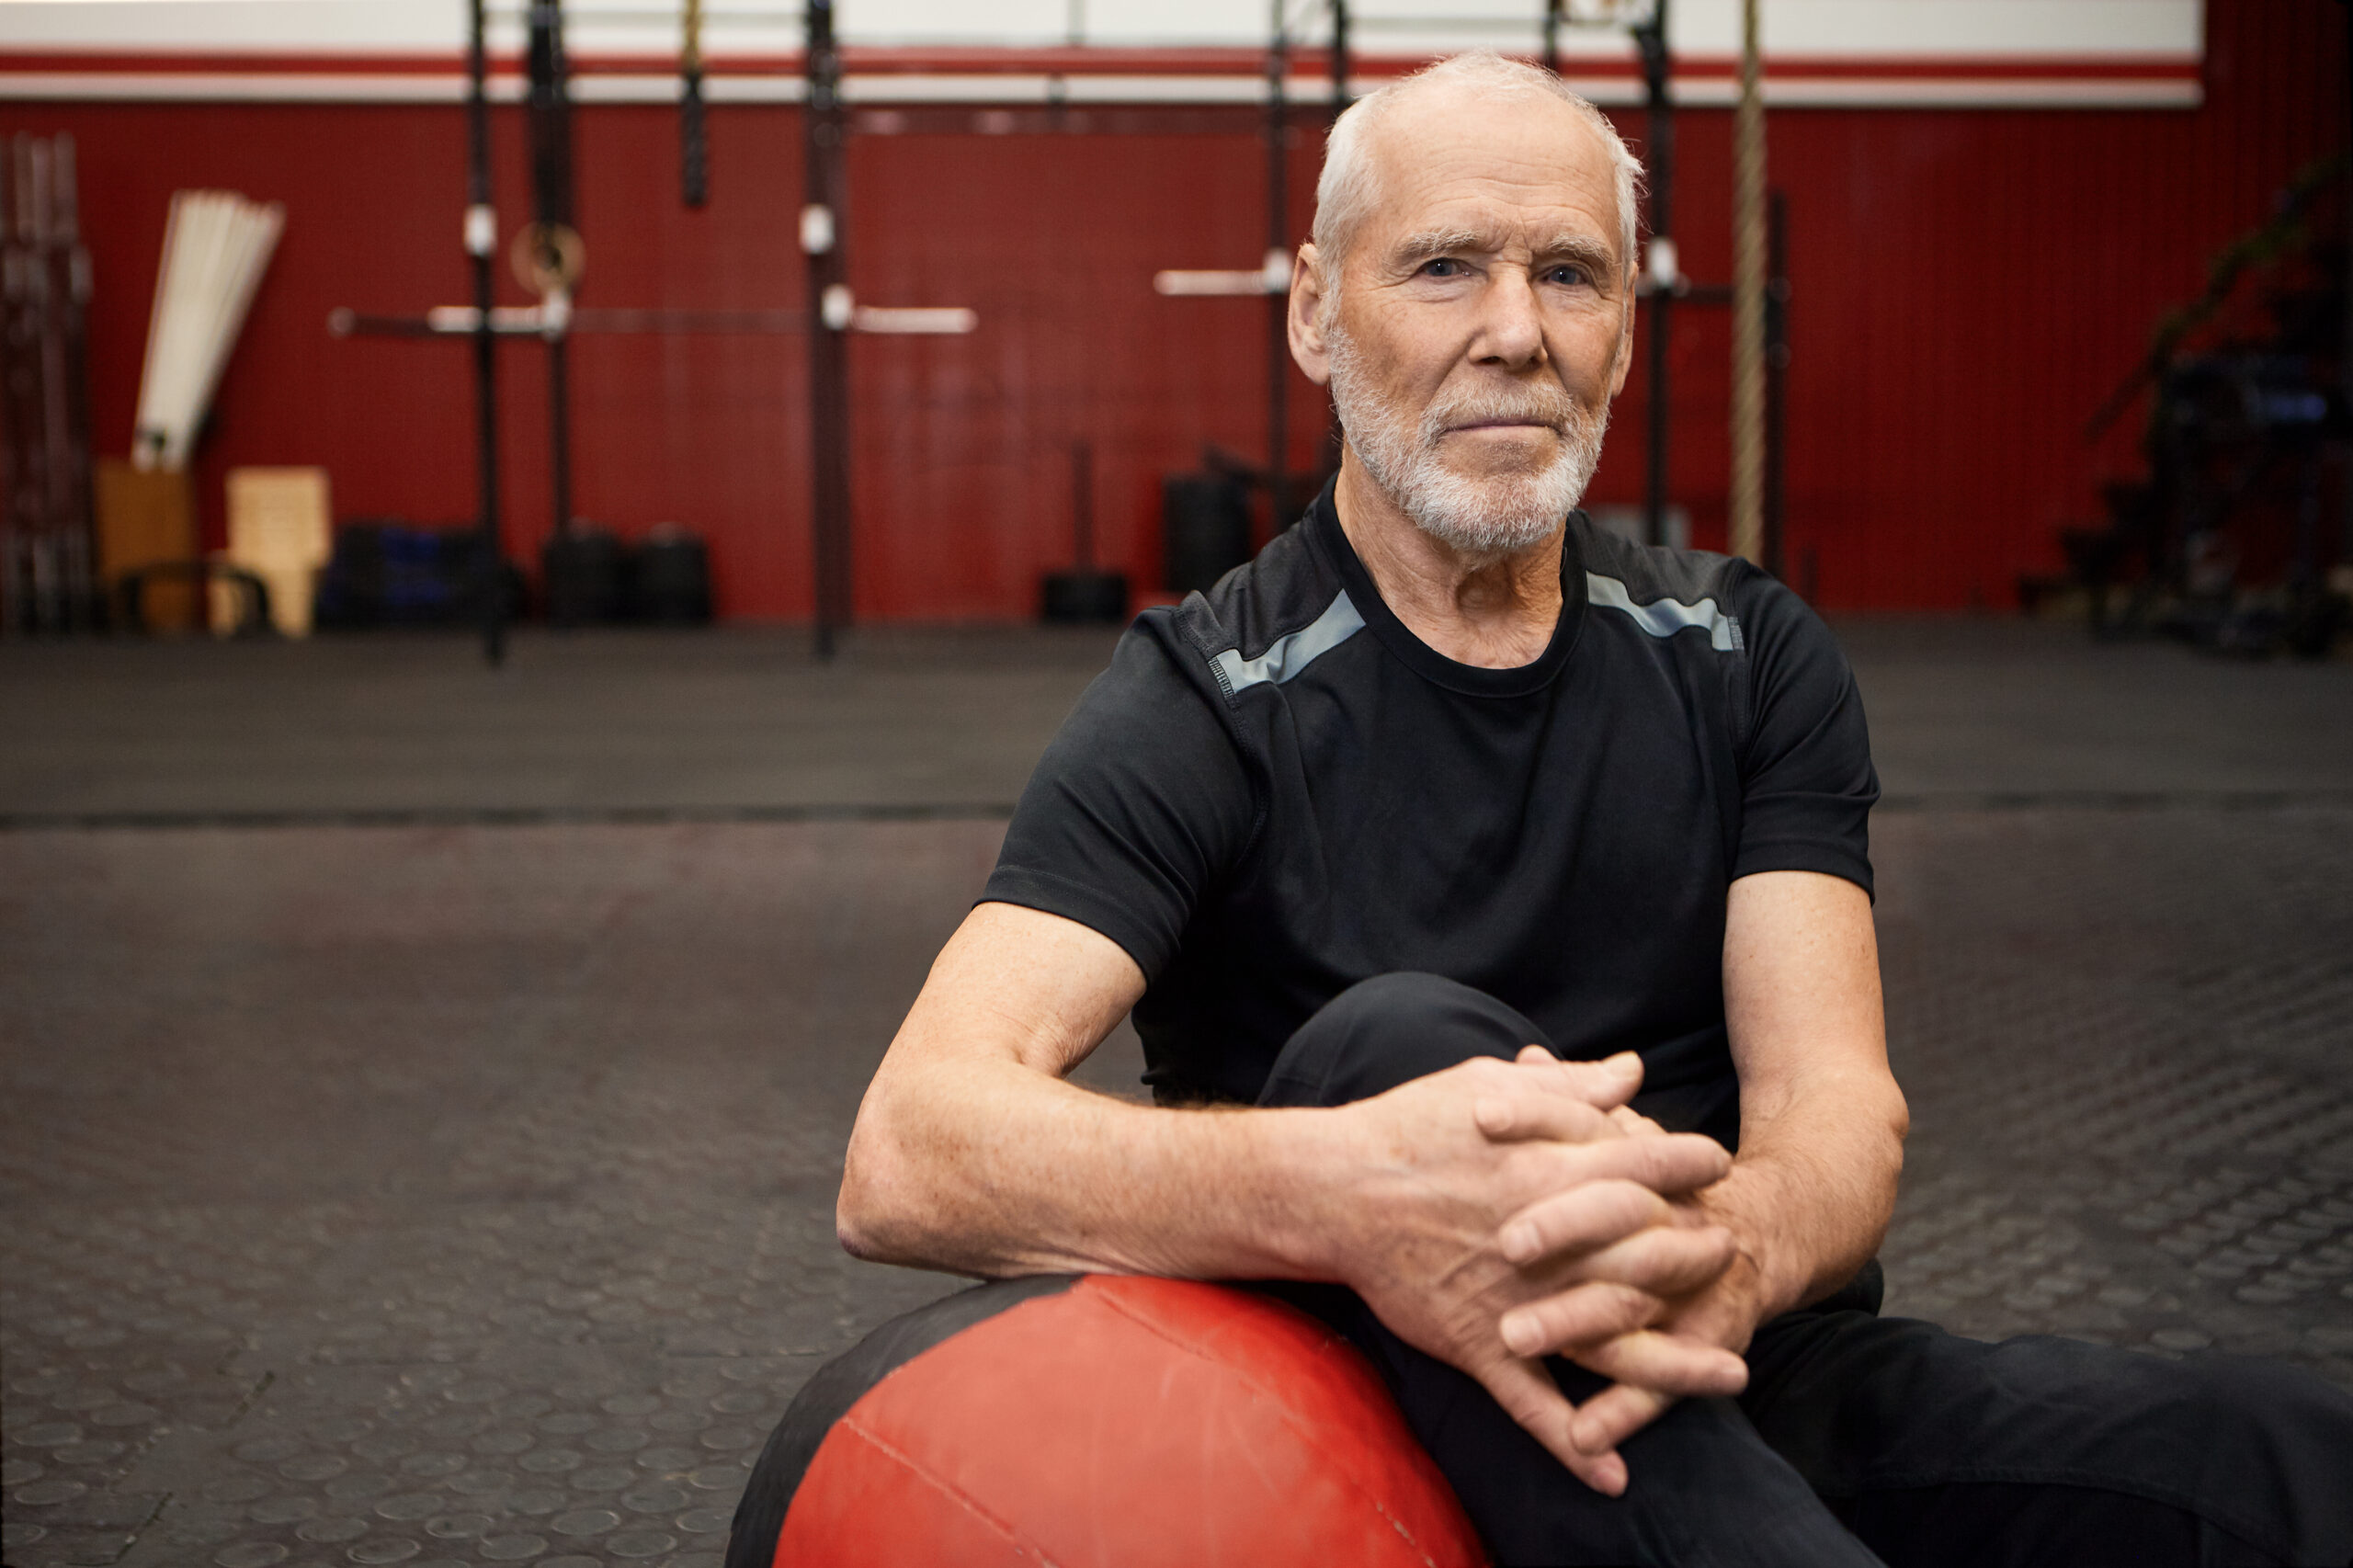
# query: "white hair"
1349,187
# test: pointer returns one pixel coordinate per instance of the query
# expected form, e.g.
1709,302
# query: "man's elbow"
856,1223
874,1216
1895,1122
1894,1115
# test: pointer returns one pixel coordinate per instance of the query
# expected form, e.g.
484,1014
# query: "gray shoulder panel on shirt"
1290,654
1665,618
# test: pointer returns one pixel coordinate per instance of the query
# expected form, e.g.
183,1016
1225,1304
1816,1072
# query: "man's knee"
1389,1030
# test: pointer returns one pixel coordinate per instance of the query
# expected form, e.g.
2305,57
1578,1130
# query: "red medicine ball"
1098,1422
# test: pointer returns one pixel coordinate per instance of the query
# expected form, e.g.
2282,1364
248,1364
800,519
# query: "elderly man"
1476,881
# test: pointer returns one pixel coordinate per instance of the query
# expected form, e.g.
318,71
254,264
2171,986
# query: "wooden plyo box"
146,515
279,531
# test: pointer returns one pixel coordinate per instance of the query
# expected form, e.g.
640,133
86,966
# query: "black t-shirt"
1277,791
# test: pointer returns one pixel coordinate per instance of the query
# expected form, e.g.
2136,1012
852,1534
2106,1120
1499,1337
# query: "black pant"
1859,1439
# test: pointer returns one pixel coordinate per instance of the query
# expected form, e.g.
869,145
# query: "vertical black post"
70,282
1659,154
15,539
1339,57
559,429
694,147
480,240
2345,527
1777,377
823,226
550,117
1277,302
1552,36
1335,438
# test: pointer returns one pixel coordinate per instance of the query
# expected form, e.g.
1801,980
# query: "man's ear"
1625,339
1304,318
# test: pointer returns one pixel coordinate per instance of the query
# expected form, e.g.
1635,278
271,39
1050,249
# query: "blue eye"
1572,275
1432,266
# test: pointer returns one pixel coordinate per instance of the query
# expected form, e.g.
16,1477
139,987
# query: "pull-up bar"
747,15
534,321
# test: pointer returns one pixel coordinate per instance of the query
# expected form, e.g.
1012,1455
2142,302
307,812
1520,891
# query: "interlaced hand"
1504,1195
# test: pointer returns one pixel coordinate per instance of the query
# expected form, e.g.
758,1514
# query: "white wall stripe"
2158,30
1992,92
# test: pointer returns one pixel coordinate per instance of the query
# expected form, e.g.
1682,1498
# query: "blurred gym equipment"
48,579
280,529
1084,594
550,257
2224,544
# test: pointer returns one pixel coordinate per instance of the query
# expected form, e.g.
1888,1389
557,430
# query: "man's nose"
1511,330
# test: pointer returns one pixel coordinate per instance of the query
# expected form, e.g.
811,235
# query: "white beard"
1486,516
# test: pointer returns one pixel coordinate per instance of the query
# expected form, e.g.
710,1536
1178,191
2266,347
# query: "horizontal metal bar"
1211,284
1528,24
577,15
528,321
915,321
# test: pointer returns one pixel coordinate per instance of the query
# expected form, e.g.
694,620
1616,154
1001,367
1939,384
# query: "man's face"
1482,311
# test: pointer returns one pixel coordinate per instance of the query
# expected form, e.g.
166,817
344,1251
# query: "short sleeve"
1139,804
1807,784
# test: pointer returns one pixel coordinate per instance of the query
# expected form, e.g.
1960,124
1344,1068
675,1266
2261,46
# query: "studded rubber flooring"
449,1193
2128,1042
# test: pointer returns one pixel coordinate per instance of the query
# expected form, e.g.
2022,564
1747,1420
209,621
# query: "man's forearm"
1812,1190
970,1153
1822,1121
991,1167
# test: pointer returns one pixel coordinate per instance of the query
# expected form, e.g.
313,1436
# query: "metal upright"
1278,245
1339,57
694,146
480,240
1776,380
1665,271
552,188
1751,268
824,134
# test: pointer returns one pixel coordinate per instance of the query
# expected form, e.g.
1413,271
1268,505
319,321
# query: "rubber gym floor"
422,1090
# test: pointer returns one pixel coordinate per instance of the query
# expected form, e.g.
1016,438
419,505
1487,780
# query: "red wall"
1967,286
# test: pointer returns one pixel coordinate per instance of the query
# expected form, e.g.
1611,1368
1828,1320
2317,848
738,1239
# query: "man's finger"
1531,1397
1533,1114
1667,1365
1583,1315
1663,1260
1614,1415
1605,1084
1671,1162
1589,1215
